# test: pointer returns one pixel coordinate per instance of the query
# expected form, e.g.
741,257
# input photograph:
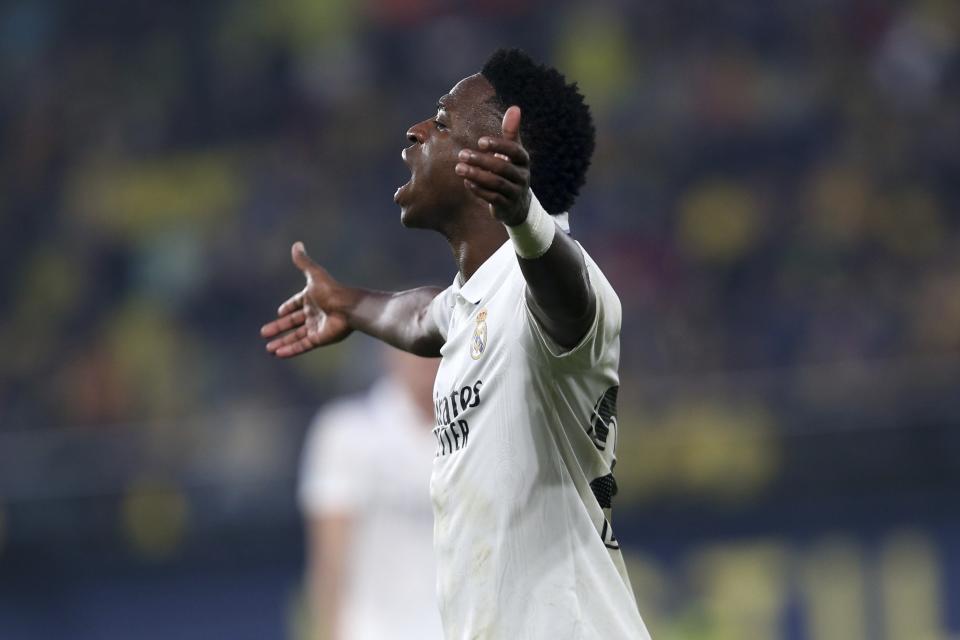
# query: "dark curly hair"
555,126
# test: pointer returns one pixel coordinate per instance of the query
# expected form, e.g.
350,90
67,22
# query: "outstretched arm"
558,284
326,312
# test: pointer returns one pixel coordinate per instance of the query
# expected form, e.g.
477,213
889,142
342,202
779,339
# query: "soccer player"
364,494
525,397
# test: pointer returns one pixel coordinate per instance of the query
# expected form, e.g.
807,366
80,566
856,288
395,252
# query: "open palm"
306,320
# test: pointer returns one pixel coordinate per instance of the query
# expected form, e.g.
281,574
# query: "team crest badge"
479,341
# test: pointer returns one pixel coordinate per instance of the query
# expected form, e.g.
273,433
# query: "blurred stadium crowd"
775,196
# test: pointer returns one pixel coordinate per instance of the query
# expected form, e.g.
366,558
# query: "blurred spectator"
364,492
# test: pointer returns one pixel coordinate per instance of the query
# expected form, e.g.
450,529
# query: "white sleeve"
602,335
334,473
441,309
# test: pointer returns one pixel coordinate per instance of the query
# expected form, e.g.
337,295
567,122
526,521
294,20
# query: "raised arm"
558,284
326,312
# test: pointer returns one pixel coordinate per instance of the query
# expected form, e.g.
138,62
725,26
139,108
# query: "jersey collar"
486,277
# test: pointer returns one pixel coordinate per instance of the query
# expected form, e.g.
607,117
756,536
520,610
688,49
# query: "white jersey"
522,475
369,457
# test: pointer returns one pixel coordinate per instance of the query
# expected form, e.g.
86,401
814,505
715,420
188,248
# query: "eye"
440,125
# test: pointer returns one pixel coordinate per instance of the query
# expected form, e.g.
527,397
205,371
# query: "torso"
524,545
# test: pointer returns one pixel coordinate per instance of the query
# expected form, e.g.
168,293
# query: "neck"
474,240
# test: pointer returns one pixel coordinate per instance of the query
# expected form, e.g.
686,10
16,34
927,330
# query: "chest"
481,347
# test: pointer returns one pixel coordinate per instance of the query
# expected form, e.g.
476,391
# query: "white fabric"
369,457
523,547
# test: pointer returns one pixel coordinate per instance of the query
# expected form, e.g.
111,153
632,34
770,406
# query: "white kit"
522,475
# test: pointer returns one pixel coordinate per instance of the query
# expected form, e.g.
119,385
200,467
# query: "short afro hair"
555,126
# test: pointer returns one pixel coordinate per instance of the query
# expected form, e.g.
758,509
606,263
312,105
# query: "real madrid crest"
479,341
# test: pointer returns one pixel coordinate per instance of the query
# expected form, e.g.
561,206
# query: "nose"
415,134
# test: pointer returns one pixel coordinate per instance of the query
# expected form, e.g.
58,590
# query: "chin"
413,217
409,218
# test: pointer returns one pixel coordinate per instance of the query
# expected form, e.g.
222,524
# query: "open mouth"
401,191
398,196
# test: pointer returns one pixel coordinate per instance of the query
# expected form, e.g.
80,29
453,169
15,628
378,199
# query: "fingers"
298,252
293,303
282,324
511,124
495,163
296,348
509,149
489,181
302,325
294,336
494,198
302,336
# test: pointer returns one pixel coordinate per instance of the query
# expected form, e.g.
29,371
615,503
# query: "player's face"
435,194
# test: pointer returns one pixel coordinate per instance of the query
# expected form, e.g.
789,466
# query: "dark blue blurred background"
775,195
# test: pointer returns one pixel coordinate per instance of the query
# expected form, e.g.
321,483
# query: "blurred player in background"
529,332
364,492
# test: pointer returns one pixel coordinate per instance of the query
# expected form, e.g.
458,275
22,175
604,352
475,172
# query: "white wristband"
532,237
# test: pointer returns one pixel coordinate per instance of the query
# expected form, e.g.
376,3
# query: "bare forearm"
559,286
558,280
327,549
325,312
400,319
324,606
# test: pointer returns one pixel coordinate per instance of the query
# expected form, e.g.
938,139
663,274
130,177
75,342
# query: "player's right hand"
307,320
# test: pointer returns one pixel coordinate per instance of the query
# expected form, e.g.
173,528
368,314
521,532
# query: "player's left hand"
498,171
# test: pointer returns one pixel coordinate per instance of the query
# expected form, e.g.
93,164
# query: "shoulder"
340,427
441,308
600,341
344,413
